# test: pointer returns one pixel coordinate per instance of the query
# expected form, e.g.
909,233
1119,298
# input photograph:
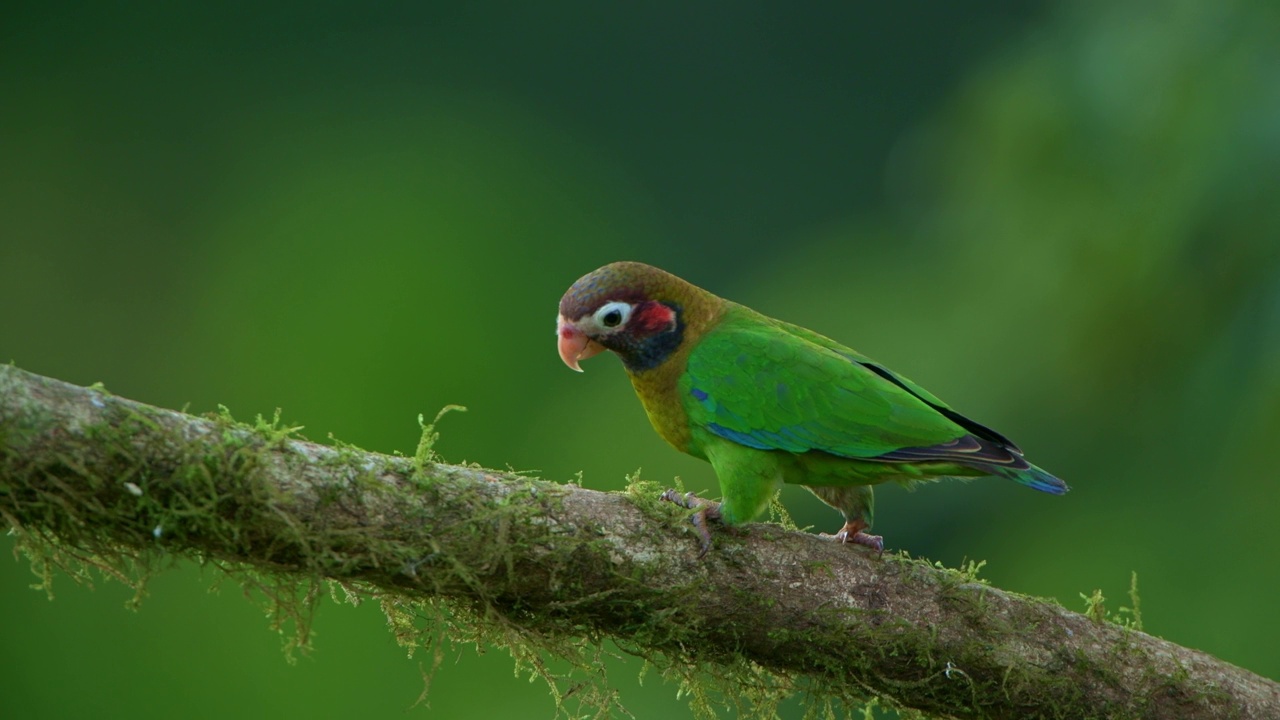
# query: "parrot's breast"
658,390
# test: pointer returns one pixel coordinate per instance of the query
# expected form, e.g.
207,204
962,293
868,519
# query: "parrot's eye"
612,315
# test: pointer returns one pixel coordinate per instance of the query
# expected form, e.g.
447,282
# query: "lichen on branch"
464,554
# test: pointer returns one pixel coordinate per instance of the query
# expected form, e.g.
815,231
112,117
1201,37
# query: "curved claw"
852,533
705,510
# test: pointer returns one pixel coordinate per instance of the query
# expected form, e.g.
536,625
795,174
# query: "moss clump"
425,453
1129,618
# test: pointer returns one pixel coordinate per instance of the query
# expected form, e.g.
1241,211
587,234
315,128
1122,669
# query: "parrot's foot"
707,510
852,533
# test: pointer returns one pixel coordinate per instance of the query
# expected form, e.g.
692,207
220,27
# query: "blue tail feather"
1034,477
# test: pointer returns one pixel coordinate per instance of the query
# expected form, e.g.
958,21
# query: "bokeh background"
1060,217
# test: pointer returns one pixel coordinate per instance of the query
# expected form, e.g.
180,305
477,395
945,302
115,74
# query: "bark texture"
82,469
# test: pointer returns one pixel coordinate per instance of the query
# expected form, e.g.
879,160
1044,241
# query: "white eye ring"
612,316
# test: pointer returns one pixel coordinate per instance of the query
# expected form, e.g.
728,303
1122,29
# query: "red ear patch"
652,317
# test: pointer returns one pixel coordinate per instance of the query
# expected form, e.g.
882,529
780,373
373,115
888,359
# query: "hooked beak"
573,344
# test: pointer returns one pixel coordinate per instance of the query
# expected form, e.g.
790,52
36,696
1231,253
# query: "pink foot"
852,533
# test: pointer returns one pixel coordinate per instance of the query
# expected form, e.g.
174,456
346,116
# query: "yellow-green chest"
659,388
659,392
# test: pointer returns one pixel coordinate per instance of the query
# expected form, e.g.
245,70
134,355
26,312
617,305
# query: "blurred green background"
1061,218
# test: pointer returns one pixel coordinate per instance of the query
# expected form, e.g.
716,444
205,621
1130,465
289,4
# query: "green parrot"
767,402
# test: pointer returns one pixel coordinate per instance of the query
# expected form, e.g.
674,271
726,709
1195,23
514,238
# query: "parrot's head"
631,308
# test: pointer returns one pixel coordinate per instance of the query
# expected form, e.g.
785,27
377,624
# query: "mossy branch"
768,612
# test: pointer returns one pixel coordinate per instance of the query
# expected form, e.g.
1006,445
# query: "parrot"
769,403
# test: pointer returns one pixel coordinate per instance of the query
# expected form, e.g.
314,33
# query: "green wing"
979,430
773,386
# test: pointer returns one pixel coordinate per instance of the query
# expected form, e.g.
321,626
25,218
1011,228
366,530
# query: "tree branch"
82,469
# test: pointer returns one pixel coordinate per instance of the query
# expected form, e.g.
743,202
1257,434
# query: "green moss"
425,453
1095,606
778,513
1129,618
1134,619
645,494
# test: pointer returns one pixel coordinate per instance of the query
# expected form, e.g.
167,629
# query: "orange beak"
574,345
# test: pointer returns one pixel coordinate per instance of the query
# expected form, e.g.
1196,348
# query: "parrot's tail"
1032,477
990,455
